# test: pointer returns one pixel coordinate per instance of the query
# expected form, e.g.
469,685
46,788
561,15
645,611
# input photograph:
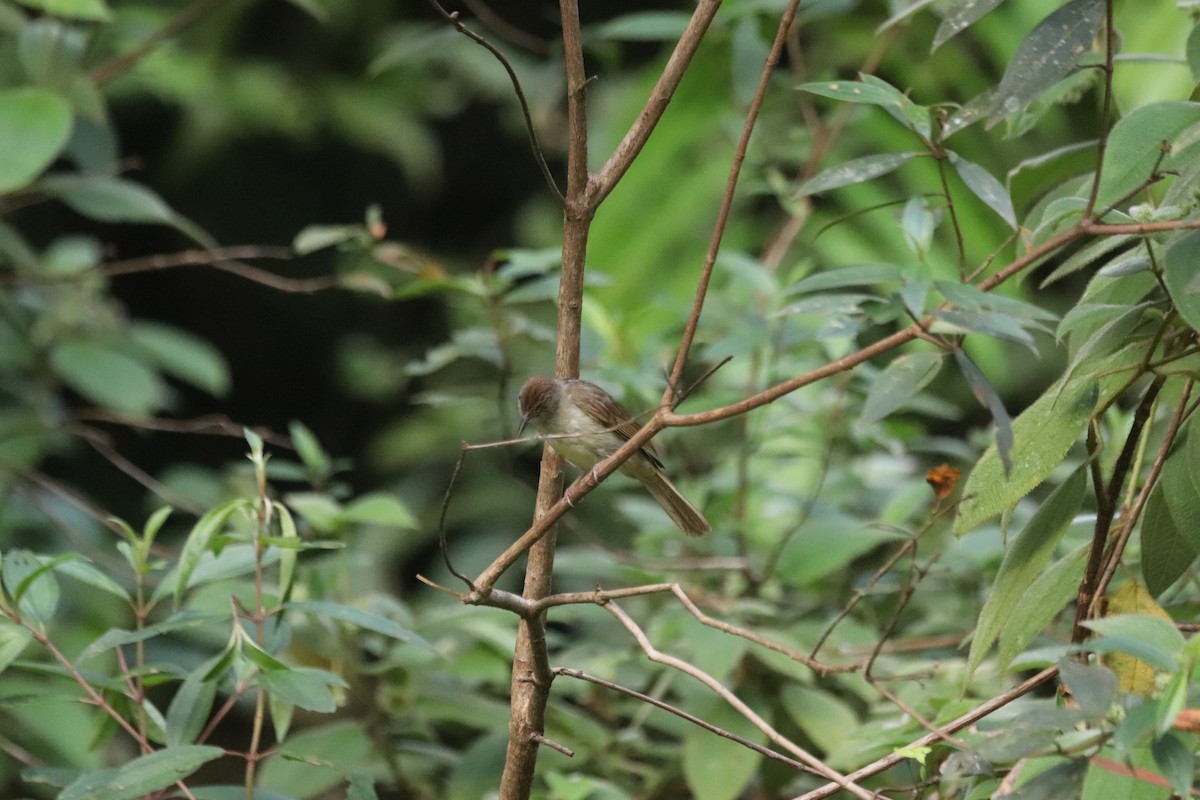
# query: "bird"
589,425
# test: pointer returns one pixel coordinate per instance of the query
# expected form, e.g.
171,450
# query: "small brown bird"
599,425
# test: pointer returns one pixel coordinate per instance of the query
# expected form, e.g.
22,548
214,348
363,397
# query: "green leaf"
1042,435
362,787
182,355
35,125
968,298
379,508
854,171
899,383
1167,552
1093,686
13,640
142,775
918,223
1176,762
303,687
310,452
1047,55
643,26
1135,146
196,546
1024,561
85,572
1182,278
119,200
988,323
1119,323
109,377
1093,253
960,16
1146,628
1049,594
984,186
717,768
1193,52
287,556
840,278
362,619
981,387
1057,783
190,707
318,237
823,547
876,91
117,637
823,717
29,582
89,10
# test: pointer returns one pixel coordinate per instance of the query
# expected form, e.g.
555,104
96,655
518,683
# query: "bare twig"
1112,558
604,596
538,155
970,718
209,424
185,18
708,726
639,133
811,762
726,208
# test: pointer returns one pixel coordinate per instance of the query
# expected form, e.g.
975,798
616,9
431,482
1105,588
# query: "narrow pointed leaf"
854,171
1042,435
1024,561
986,187
1049,53
899,383
1181,277
142,775
982,388
960,17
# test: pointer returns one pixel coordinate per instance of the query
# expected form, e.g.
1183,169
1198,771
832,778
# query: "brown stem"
970,718
185,18
1108,502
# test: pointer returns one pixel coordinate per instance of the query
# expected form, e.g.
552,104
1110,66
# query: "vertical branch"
530,688
735,172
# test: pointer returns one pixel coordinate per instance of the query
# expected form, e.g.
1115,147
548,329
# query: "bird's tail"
682,513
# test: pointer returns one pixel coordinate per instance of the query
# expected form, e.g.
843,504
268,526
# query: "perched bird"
589,426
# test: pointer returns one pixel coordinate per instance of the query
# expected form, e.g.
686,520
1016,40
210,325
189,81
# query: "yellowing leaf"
1134,676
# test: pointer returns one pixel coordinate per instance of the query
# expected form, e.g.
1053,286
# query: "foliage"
257,630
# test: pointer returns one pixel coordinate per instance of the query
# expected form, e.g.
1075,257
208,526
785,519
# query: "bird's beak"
524,424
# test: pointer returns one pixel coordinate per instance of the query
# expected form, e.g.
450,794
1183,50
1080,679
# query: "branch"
184,19
810,761
708,726
970,718
603,597
735,172
538,155
604,181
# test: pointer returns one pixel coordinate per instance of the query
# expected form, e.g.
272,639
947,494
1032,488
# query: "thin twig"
605,596
1110,46
654,701
811,762
970,718
185,18
442,544
726,207
1112,558
605,180
538,155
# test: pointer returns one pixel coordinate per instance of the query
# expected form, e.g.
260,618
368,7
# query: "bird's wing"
601,405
